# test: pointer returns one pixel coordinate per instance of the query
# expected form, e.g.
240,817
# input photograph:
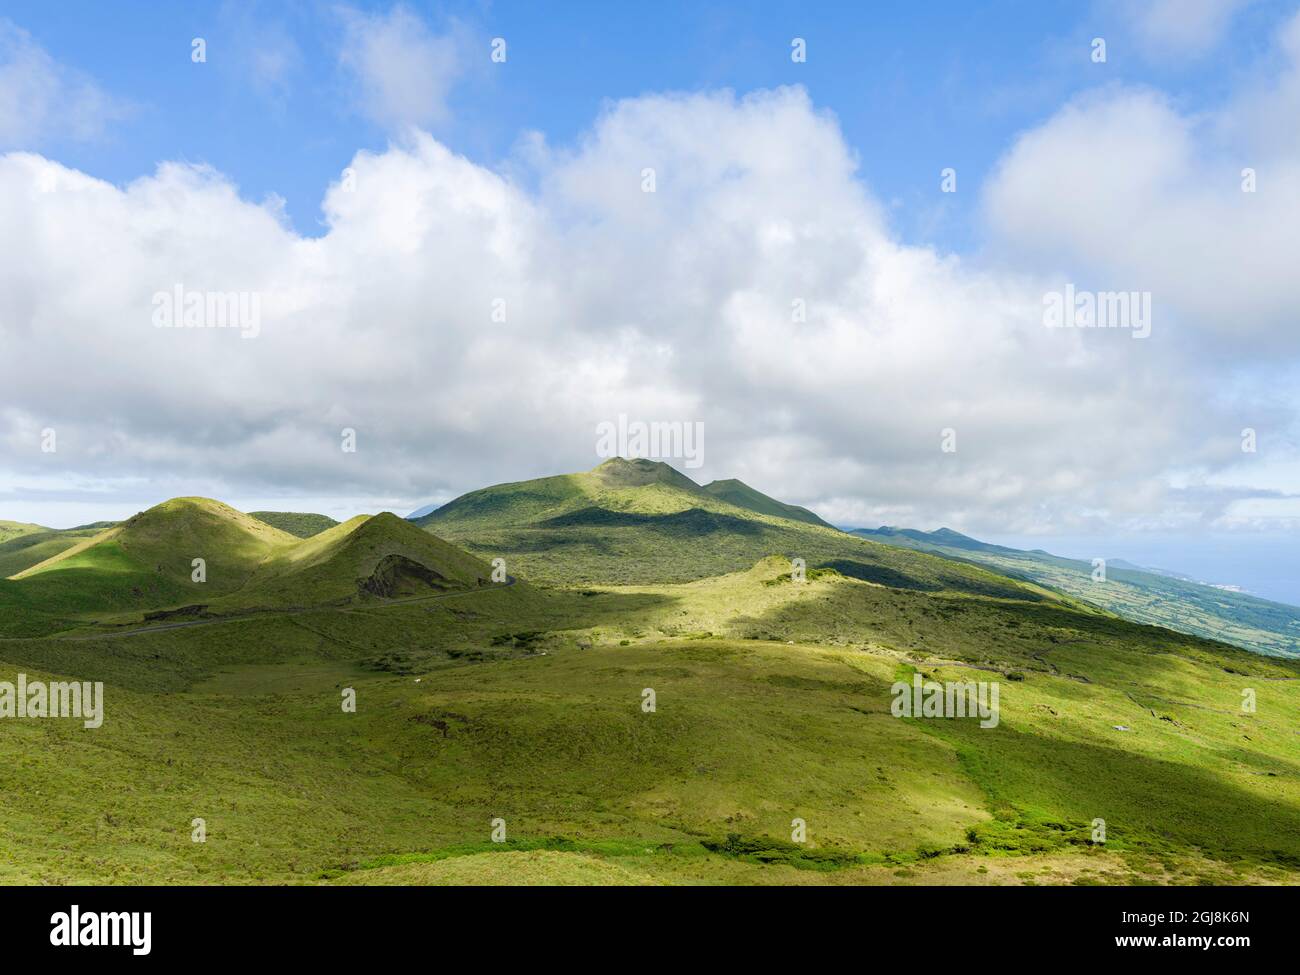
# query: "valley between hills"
499,650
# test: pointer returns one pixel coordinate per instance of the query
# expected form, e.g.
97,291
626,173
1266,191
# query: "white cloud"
1124,189
671,305
1181,27
667,305
43,101
402,70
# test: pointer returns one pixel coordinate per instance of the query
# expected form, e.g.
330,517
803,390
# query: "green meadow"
657,694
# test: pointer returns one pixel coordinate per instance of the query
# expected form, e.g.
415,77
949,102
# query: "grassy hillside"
527,704
167,538
630,522
144,563
640,521
1146,597
296,523
24,550
772,703
380,557
743,496
15,529
143,569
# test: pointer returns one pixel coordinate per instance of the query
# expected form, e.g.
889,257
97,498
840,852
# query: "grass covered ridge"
190,558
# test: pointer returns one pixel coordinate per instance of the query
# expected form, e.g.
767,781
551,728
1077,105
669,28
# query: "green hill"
296,523
146,562
743,496
22,551
16,529
165,540
1163,599
641,521
144,569
380,556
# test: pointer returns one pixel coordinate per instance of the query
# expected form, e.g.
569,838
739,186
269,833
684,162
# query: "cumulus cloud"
1122,187
43,101
402,70
1200,209
758,289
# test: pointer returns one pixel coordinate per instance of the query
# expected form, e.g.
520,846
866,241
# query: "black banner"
148,925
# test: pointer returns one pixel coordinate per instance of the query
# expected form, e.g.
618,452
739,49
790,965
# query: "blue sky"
914,94
128,170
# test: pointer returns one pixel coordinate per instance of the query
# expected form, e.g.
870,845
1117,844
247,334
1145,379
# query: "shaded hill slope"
22,551
15,529
296,523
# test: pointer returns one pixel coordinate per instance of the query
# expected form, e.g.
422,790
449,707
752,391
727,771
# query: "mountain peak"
949,533
638,471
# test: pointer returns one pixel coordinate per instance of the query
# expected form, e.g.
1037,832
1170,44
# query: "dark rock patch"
396,576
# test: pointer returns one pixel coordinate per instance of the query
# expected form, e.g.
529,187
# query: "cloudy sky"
460,258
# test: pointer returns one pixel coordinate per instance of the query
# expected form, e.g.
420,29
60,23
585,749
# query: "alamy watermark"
179,308
951,699
75,928
654,440
57,699
1072,308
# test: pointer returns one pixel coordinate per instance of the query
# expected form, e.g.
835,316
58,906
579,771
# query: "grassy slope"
1146,597
22,551
326,567
169,536
743,496
143,563
636,522
299,524
524,703
15,529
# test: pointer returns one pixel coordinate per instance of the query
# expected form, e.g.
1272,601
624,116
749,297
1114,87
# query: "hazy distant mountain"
1140,594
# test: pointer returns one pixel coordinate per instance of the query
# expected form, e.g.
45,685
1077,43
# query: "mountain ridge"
741,494
640,521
